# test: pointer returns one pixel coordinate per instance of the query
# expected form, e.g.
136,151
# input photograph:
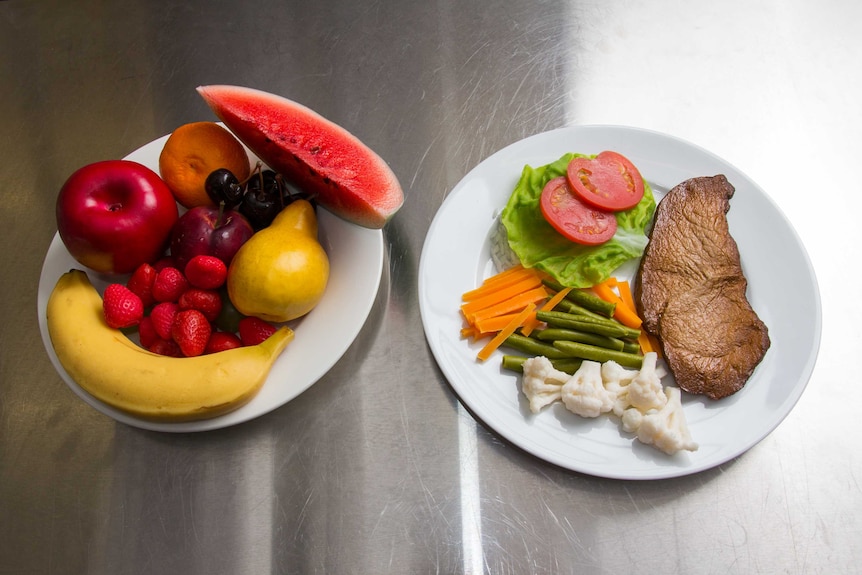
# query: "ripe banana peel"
115,370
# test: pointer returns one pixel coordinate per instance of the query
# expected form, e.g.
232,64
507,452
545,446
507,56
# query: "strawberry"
206,272
208,302
164,262
191,331
169,285
141,283
122,308
222,341
163,316
166,347
147,332
253,330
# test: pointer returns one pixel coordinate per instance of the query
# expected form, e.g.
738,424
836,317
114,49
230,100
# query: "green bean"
551,334
574,309
516,363
533,346
631,347
599,354
578,323
584,299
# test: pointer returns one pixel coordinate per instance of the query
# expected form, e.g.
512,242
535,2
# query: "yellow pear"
281,272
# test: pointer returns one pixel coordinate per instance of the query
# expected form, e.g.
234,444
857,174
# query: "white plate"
782,289
356,266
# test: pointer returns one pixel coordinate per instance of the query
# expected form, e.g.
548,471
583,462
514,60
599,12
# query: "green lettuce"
538,244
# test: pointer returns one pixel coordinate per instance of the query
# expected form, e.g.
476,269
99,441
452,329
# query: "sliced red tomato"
573,218
607,182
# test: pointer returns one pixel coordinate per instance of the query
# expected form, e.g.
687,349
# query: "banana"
115,370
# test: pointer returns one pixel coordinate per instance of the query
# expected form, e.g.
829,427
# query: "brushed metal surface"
378,468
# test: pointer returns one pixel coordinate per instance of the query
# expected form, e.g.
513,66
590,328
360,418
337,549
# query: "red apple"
209,231
115,215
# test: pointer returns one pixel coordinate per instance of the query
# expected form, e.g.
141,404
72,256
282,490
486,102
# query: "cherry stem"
256,170
219,220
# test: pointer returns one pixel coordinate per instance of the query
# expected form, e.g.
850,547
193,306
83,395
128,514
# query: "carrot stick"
496,282
510,328
533,322
510,305
644,341
622,312
605,291
493,324
495,297
625,292
470,332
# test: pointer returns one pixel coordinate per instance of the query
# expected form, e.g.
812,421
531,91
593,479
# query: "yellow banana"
113,369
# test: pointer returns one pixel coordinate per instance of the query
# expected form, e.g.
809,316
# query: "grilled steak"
690,291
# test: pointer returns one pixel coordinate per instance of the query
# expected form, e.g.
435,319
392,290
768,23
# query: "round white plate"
356,266
782,289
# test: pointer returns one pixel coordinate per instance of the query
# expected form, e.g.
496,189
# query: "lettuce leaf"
538,244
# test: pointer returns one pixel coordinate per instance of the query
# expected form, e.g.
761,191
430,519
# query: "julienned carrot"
605,290
499,281
510,328
510,305
622,312
644,341
625,292
533,322
501,294
493,324
647,342
469,332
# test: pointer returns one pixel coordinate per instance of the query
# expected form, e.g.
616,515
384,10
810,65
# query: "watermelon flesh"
316,155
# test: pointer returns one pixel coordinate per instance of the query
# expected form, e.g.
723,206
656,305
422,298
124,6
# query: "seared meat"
690,291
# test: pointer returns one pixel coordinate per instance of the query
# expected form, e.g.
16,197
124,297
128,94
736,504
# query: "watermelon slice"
316,155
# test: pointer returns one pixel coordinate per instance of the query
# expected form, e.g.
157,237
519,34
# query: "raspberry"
147,332
122,308
169,285
191,331
222,341
206,272
208,302
163,316
253,331
141,283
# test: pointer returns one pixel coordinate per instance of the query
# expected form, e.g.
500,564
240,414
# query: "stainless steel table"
378,468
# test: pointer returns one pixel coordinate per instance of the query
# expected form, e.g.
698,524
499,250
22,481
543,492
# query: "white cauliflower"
653,412
631,419
542,384
585,394
617,379
645,391
666,428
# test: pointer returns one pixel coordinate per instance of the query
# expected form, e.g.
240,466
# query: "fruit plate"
782,289
356,267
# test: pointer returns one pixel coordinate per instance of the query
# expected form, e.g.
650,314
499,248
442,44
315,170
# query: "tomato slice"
607,182
573,218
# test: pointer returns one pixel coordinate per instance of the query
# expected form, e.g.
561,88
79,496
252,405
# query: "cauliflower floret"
617,379
542,384
631,419
585,394
645,391
666,428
